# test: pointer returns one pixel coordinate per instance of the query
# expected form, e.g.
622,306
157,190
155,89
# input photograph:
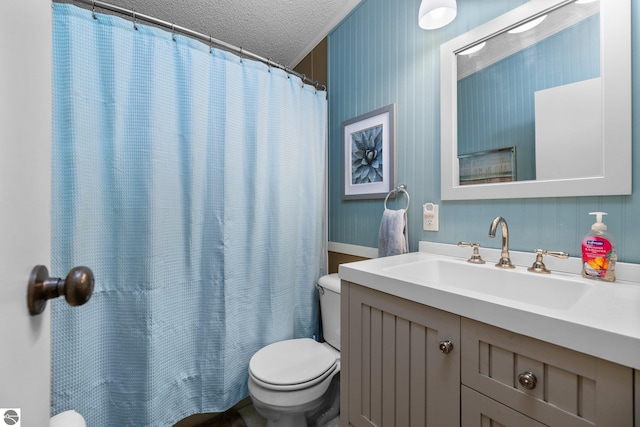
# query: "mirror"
543,111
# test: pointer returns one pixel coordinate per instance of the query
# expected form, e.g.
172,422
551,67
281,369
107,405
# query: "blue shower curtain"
192,183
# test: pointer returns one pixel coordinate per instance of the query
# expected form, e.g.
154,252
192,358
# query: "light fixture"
436,13
473,49
527,25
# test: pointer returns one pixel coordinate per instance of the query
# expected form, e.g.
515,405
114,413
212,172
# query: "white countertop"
604,322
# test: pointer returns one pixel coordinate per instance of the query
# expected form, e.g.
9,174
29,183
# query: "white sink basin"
554,290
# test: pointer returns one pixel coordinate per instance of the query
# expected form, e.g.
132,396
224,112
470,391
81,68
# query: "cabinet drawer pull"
528,380
446,346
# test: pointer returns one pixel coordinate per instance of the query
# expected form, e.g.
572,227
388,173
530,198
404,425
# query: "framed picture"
488,166
369,146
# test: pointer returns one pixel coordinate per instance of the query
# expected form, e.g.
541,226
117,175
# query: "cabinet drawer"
480,411
571,388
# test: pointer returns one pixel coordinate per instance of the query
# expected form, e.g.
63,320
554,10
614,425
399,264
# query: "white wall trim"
345,248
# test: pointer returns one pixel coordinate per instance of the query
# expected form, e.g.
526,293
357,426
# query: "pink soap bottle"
598,252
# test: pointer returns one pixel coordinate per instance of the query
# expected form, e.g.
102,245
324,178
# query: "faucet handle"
538,266
475,257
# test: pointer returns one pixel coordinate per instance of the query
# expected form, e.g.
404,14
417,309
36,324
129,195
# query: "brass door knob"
77,287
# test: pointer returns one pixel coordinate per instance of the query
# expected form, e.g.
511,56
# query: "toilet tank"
329,290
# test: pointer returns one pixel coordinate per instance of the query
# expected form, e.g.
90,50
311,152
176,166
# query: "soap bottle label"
596,256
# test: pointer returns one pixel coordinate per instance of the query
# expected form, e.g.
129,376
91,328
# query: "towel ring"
400,188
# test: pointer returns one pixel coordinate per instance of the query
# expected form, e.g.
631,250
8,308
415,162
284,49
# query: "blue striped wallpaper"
378,56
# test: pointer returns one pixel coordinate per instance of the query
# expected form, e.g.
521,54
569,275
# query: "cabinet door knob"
77,287
527,380
446,346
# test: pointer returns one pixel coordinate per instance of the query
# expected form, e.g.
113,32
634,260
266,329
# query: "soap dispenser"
598,252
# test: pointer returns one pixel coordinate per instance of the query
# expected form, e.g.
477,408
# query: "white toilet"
67,419
289,381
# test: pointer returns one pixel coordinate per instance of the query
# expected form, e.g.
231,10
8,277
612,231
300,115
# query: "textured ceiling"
284,31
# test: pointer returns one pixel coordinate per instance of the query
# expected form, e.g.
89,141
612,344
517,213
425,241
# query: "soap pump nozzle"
598,225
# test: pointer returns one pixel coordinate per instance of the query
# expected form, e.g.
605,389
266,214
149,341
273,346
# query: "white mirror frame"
615,73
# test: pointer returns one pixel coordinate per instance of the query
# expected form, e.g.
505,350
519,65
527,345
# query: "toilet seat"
292,364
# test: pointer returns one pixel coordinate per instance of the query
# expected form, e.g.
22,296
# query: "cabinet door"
480,411
397,374
559,387
636,377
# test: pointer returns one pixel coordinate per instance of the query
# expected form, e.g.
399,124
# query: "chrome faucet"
505,261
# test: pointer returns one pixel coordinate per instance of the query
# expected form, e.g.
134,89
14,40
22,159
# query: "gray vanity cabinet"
551,384
397,371
481,411
394,372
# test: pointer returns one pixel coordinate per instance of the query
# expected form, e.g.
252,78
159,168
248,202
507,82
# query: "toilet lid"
291,362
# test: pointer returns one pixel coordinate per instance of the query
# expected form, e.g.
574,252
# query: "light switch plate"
430,220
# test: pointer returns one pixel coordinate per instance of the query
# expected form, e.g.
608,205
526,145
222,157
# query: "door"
25,159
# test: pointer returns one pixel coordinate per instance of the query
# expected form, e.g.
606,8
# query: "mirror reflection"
530,98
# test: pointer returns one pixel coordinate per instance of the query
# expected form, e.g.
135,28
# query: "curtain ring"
304,77
210,44
241,54
173,32
135,24
269,64
93,9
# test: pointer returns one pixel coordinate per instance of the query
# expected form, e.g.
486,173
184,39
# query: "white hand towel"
392,239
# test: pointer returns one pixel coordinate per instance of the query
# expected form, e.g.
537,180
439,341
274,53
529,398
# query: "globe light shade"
436,13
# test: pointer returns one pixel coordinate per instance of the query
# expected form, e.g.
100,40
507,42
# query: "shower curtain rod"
202,37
